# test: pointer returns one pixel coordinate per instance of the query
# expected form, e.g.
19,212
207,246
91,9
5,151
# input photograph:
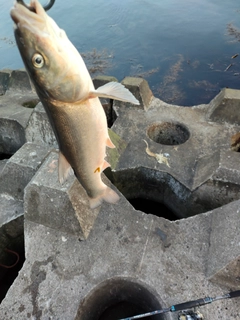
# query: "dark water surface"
181,47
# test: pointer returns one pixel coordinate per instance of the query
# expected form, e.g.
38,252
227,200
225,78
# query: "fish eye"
38,60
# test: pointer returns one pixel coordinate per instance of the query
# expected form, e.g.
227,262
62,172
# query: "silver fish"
67,93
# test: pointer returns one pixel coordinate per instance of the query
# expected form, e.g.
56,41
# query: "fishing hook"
46,7
13,265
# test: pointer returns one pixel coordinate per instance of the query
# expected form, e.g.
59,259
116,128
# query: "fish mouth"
31,18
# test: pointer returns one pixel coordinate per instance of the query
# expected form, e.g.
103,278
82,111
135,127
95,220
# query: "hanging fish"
67,93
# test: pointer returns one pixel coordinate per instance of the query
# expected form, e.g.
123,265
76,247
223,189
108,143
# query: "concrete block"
2,164
61,207
140,89
101,80
14,177
10,209
4,80
38,129
13,121
16,105
228,169
20,169
229,275
225,107
19,81
128,252
185,181
223,263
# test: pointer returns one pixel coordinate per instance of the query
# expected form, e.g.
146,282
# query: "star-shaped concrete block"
188,143
61,207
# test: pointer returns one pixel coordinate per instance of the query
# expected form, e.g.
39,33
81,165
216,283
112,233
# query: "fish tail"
108,195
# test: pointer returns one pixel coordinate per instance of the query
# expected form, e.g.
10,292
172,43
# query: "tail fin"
108,195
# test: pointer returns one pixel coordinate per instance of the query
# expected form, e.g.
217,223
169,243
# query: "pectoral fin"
114,90
64,168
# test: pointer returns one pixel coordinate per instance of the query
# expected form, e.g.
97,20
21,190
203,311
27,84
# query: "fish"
72,104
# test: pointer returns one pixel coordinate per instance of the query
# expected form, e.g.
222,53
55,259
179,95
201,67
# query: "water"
181,47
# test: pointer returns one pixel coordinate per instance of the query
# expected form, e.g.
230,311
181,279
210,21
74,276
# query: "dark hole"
153,207
121,310
168,133
5,156
31,103
8,275
116,299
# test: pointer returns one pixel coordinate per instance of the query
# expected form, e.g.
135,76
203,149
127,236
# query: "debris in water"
136,71
233,31
203,84
228,67
169,90
235,56
98,61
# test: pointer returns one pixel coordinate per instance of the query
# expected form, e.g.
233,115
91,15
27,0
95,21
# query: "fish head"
54,65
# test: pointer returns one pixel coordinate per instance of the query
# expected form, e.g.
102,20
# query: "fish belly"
81,131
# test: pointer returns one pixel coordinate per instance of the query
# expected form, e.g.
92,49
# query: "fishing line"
186,305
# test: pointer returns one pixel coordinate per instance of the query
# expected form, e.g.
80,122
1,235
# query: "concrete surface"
15,109
171,258
127,255
14,177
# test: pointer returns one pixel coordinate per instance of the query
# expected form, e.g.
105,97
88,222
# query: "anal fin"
64,168
105,165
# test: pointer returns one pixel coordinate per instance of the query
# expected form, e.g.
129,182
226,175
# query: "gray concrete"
225,107
15,103
14,177
128,254
140,89
20,169
38,129
171,258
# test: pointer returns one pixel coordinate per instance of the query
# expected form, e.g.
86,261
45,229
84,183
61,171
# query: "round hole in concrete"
119,298
153,207
168,133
